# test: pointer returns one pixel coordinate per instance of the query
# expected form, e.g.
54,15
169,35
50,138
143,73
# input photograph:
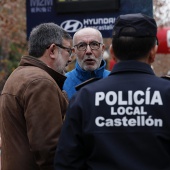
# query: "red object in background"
111,64
163,36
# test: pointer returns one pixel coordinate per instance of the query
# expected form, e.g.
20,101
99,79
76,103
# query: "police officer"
121,122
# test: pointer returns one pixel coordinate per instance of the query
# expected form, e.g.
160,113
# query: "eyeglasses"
69,50
94,45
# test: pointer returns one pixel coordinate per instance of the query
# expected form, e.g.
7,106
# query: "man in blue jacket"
88,49
121,122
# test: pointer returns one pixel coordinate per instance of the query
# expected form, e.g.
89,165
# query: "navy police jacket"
118,123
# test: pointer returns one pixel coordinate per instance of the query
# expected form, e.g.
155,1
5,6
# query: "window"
80,6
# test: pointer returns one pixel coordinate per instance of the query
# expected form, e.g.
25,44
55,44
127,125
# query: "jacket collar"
32,61
130,66
84,75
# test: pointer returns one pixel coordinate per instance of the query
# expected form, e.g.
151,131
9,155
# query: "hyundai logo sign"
71,25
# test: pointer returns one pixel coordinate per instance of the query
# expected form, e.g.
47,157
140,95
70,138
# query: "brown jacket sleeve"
45,107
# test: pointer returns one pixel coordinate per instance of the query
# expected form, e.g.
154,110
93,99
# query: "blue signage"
40,11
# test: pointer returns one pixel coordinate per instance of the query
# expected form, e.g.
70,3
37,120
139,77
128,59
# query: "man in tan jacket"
32,103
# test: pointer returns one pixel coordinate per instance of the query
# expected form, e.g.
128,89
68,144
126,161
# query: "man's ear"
152,54
51,50
103,48
112,54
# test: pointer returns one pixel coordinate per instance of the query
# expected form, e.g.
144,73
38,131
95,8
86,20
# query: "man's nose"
70,58
88,49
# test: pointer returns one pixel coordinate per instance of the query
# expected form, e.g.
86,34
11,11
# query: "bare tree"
161,12
12,24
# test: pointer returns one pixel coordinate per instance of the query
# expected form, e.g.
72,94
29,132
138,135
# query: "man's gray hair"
43,35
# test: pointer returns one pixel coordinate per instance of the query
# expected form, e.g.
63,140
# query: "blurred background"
13,41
